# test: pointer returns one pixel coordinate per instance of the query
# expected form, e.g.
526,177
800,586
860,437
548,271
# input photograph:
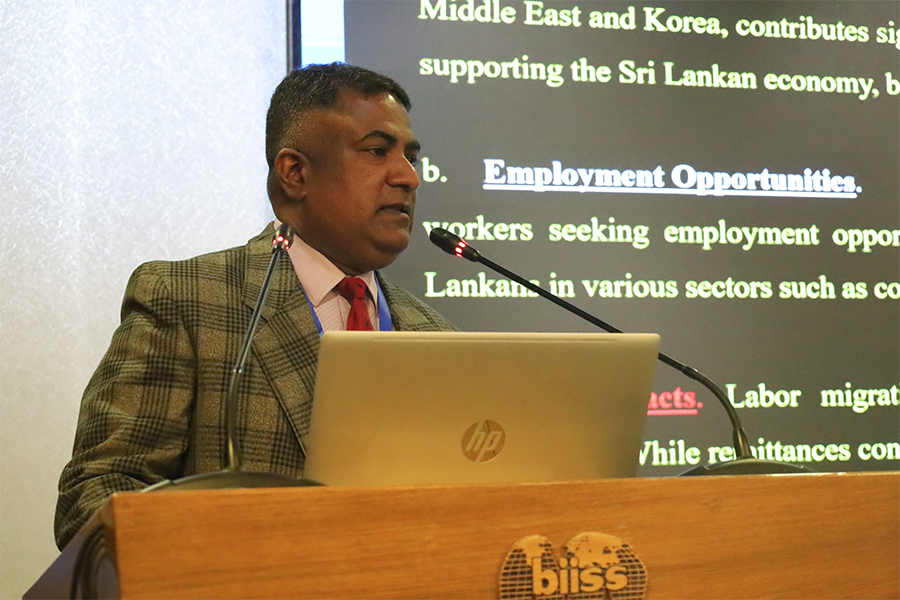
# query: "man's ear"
291,172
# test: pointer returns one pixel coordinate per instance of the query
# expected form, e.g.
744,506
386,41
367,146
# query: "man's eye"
413,160
377,151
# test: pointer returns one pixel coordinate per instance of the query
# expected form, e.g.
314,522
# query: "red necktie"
354,290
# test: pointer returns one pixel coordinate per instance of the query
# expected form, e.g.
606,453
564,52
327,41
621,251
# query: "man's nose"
404,175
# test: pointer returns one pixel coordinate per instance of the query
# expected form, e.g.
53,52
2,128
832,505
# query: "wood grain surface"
776,536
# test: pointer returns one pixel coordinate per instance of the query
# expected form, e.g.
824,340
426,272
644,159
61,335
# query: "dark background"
789,344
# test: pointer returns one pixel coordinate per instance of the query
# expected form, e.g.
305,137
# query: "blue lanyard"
384,314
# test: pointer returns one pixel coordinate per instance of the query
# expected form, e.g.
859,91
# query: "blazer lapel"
286,344
404,315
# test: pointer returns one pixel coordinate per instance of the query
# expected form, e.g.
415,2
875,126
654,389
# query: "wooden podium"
760,536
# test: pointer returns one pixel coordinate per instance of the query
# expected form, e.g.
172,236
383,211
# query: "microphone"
232,476
744,464
281,242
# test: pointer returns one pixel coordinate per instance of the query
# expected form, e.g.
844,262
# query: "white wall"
129,131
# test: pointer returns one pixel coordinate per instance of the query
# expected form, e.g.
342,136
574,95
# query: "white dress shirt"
318,276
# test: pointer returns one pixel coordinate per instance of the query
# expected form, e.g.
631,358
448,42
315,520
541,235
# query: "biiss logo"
593,565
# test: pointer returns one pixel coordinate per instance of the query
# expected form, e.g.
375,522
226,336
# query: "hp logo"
483,440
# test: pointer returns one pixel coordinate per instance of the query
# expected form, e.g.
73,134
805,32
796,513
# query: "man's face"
359,188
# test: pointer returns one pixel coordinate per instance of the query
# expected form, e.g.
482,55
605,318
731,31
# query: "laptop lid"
399,408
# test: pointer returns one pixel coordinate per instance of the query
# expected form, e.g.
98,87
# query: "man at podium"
341,157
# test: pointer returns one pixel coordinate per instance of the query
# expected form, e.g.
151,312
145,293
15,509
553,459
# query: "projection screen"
725,174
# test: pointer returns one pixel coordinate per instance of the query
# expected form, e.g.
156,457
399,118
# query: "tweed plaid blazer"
154,408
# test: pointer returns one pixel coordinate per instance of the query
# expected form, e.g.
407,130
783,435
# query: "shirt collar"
318,275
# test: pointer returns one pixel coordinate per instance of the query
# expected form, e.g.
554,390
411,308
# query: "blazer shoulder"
209,279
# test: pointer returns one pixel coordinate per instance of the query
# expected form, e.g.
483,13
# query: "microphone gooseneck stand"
744,464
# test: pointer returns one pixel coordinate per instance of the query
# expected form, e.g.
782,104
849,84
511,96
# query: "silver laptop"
400,408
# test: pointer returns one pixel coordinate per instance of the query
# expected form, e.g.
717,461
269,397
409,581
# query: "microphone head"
284,237
453,244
